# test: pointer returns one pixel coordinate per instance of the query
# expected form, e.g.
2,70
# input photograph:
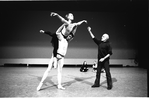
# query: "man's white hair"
106,35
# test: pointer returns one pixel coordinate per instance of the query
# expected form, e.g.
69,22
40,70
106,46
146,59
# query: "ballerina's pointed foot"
60,87
39,86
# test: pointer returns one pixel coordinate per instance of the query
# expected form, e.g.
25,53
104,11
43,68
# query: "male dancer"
104,53
64,34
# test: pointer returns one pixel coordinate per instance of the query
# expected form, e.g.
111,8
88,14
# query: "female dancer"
64,34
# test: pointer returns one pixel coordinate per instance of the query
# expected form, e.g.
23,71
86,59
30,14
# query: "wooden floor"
22,82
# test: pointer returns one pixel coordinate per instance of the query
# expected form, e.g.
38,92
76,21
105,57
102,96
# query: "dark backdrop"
124,21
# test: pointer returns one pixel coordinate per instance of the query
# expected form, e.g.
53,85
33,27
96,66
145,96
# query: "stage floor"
22,82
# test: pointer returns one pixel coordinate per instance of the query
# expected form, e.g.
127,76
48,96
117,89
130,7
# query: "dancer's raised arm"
60,28
79,23
47,32
60,17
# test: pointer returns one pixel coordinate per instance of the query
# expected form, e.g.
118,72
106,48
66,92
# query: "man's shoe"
60,87
93,86
39,86
109,87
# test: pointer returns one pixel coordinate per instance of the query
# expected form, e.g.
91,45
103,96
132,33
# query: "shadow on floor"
113,81
47,82
78,79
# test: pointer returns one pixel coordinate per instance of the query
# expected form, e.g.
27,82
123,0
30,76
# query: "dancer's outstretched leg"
45,74
59,76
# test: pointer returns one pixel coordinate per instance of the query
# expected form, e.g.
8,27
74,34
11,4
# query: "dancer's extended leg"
45,74
59,76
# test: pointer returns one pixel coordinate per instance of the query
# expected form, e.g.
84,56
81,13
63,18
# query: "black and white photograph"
73,48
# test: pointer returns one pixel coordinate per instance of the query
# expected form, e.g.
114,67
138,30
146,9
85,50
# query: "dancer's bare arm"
60,17
80,22
47,32
60,28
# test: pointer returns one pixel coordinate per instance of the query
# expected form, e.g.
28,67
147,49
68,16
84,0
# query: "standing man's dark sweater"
104,48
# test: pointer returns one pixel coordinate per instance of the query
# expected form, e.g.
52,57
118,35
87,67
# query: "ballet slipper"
39,86
60,87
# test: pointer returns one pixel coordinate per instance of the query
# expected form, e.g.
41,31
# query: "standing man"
104,53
